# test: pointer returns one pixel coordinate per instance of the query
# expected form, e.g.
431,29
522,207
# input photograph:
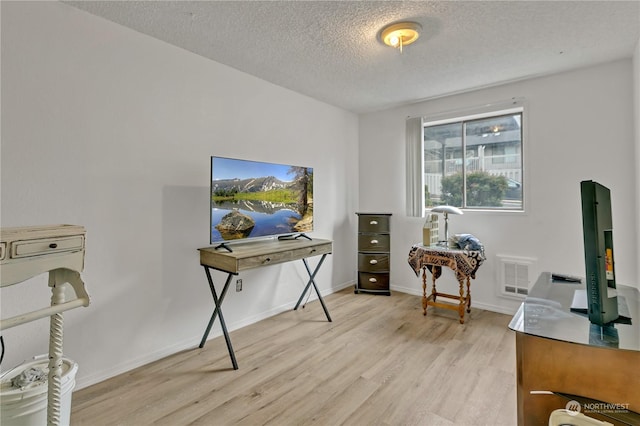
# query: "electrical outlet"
239,284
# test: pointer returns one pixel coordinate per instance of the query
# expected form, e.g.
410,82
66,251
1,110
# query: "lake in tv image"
252,199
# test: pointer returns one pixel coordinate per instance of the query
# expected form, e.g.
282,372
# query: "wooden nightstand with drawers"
374,253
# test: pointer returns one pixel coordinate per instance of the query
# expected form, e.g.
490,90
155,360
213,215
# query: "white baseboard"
191,342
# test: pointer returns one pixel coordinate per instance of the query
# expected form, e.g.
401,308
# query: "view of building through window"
475,163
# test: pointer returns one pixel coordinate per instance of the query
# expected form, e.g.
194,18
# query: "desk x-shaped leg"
312,282
218,312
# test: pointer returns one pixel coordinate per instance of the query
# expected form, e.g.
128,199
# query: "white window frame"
416,203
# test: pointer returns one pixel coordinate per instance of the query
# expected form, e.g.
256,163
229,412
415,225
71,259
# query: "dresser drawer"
373,262
44,246
373,243
371,281
373,223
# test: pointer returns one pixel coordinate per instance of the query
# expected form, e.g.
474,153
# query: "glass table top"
546,312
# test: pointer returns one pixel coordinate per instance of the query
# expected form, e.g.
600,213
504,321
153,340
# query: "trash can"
24,390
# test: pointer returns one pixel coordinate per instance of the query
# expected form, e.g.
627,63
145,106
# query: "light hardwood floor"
380,362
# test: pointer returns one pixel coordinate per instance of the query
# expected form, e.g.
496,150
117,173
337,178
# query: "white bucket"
27,405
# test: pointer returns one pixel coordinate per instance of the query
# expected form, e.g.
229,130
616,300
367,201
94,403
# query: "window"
472,162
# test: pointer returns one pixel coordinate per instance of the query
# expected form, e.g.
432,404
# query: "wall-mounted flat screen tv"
253,199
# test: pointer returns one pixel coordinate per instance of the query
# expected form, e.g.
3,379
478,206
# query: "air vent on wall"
514,275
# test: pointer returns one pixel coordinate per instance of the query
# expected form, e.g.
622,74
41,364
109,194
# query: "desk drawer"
282,256
370,281
373,223
44,246
373,262
373,243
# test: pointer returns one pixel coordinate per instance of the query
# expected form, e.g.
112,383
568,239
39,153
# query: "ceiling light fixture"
400,34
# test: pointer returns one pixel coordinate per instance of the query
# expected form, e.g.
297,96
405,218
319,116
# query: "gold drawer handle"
374,241
373,222
373,280
373,261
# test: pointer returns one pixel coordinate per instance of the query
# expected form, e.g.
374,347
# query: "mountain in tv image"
262,206
249,185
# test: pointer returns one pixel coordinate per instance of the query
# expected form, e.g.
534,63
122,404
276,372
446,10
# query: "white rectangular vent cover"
514,275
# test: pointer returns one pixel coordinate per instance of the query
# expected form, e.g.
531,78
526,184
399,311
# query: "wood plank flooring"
380,362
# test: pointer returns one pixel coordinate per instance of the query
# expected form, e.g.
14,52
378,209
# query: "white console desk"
26,252
256,254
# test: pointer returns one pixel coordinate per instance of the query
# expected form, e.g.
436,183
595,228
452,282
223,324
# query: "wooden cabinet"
561,357
374,253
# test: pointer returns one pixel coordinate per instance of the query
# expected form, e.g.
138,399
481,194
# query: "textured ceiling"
330,51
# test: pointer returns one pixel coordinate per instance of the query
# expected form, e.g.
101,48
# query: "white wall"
582,118
108,128
636,91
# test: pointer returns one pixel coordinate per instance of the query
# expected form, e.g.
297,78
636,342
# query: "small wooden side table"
464,263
